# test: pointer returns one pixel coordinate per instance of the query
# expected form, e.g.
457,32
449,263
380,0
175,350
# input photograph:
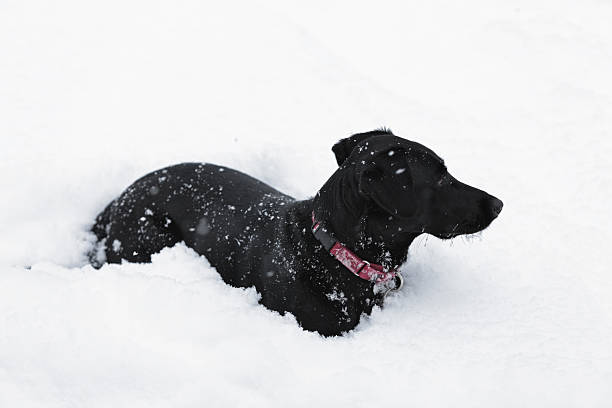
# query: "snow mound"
516,97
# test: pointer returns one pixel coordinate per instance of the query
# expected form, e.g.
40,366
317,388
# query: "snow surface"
515,96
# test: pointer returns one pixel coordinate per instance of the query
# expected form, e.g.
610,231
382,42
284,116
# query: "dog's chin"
447,235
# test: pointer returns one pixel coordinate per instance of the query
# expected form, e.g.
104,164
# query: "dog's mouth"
463,228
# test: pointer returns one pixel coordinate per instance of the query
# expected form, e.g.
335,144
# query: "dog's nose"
496,205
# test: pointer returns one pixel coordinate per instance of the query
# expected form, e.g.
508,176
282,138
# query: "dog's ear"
344,147
389,184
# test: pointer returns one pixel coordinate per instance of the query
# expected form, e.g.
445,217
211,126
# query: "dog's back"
204,205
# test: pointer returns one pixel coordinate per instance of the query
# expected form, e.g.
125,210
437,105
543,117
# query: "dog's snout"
495,206
491,206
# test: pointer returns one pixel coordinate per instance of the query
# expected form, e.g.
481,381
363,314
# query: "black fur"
386,192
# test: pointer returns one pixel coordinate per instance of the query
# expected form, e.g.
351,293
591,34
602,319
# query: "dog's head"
407,183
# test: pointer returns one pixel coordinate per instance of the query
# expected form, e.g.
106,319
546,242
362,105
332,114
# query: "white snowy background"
515,96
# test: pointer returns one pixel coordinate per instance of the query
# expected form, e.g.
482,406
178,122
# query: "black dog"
298,254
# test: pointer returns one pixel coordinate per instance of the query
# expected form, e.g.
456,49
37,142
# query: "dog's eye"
444,180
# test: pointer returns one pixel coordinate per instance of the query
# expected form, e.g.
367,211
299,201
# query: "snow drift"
516,97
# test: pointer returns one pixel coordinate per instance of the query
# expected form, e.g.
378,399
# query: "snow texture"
515,96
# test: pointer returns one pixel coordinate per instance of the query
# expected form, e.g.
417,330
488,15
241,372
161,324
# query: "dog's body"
256,236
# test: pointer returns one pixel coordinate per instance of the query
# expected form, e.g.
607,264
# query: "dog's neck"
347,213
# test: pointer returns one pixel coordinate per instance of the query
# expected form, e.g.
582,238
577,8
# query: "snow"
516,97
